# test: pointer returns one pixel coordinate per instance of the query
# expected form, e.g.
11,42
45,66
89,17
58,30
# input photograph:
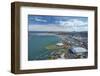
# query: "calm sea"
37,46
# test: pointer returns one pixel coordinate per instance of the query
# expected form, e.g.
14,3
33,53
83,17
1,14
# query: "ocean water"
37,46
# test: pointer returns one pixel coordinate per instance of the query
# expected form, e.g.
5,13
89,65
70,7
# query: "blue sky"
60,23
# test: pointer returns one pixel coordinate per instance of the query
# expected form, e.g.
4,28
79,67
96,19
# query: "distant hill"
74,33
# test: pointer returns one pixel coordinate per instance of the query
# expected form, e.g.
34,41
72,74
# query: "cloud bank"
58,24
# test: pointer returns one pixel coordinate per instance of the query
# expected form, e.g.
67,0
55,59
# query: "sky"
57,23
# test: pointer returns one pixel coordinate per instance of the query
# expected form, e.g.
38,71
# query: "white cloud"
73,23
40,20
